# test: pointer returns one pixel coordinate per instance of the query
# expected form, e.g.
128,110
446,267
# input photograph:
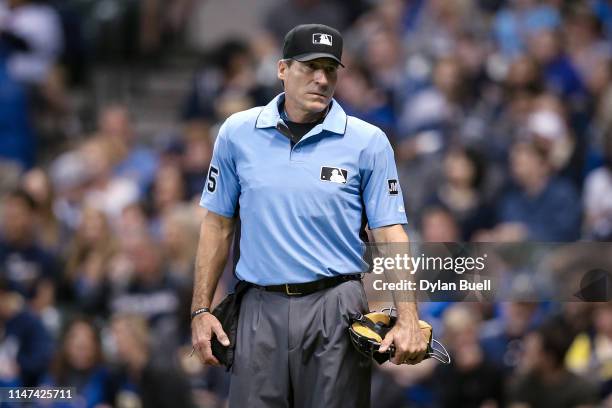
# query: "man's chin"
318,106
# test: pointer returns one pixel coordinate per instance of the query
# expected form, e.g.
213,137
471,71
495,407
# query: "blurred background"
500,114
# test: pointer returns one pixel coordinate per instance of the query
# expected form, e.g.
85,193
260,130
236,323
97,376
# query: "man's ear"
282,69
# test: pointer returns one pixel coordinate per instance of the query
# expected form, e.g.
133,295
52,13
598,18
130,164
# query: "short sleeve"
222,187
382,194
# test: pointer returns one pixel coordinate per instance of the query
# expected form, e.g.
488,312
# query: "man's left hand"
409,341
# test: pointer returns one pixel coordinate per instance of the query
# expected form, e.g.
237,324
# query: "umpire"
306,178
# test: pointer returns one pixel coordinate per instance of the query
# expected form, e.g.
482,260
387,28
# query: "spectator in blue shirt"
79,363
540,207
25,344
16,136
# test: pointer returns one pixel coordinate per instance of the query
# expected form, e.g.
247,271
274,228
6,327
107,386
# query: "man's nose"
320,77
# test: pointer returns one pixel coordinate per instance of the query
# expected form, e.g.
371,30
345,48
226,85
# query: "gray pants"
295,352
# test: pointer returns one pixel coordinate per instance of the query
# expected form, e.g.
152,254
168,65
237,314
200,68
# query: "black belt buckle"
289,292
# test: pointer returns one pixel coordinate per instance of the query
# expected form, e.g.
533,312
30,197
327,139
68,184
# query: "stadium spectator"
589,355
70,176
134,221
78,363
25,344
428,120
149,291
439,25
359,96
88,261
179,232
560,75
540,207
225,85
140,379
433,115
543,381
439,225
521,19
502,336
108,192
50,232
583,39
196,158
128,158
462,191
384,55
598,197
547,127
27,267
168,193
520,86
471,380
210,385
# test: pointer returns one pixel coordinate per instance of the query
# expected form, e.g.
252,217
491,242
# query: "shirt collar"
335,120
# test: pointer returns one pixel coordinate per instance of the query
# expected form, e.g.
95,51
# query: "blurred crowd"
500,114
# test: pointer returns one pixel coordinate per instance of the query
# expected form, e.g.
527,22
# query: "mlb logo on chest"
334,174
322,39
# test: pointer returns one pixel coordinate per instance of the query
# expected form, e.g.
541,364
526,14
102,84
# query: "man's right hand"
203,327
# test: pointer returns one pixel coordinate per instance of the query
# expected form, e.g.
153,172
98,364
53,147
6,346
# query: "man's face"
309,85
17,220
526,165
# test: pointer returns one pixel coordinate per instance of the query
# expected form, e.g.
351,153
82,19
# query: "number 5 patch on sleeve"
211,182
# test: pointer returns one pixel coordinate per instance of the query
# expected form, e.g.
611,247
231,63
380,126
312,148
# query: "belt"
300,289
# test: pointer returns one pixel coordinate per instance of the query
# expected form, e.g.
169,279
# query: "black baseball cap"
311,41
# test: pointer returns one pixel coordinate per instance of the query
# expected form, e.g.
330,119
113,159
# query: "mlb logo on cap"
307,42
322,39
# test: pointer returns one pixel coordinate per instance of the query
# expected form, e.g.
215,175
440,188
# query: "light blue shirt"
302,207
